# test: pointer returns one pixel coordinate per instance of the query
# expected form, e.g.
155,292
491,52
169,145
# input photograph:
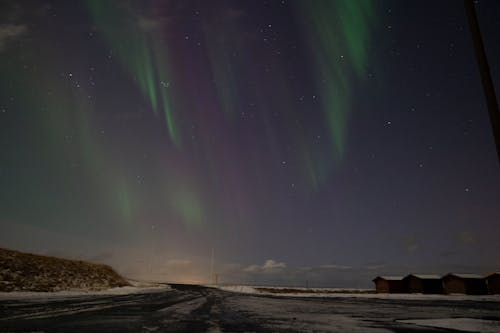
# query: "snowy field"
350,293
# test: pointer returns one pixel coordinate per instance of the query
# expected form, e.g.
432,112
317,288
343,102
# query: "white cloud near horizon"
269,265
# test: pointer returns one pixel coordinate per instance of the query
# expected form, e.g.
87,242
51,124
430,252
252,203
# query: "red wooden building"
423,284
389,284
472,284
493,282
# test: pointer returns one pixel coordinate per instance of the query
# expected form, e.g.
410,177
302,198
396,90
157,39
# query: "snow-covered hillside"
29,272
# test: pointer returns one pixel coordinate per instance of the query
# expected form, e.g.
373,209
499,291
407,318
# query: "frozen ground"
186,308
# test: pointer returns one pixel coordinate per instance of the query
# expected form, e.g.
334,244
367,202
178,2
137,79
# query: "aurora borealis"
319,139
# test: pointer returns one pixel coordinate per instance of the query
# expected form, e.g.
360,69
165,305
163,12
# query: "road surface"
188,308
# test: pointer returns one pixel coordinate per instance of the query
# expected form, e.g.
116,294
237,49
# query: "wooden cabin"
471,284
423,284
389,284
493,282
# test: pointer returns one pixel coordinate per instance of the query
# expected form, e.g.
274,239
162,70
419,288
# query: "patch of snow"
459,324
427,276
150,288
387,277
184,308
144,284
239,289
465,275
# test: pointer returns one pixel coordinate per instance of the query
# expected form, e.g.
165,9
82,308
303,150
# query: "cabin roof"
389,278
464,275
491,274
425,276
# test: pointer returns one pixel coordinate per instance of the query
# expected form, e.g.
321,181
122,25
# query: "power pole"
212,267
484,70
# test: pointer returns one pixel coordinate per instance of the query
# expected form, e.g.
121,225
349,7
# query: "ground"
186,308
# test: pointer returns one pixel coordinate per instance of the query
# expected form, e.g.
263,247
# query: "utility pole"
484,70
211,279
151,256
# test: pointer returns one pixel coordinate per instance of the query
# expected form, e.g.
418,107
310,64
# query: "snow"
354,315
301,316
427,276
135,288
465,275
183,308
391,278
347,293
239,289
459,324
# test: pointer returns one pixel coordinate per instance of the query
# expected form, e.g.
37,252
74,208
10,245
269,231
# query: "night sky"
328,141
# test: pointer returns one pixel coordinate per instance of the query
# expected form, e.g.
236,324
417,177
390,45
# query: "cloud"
269,265
9,32
252,268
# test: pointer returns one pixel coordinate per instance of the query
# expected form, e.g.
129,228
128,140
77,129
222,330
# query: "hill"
29,272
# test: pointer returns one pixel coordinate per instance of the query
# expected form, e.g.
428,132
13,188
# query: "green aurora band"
139,49
145,58
339,34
